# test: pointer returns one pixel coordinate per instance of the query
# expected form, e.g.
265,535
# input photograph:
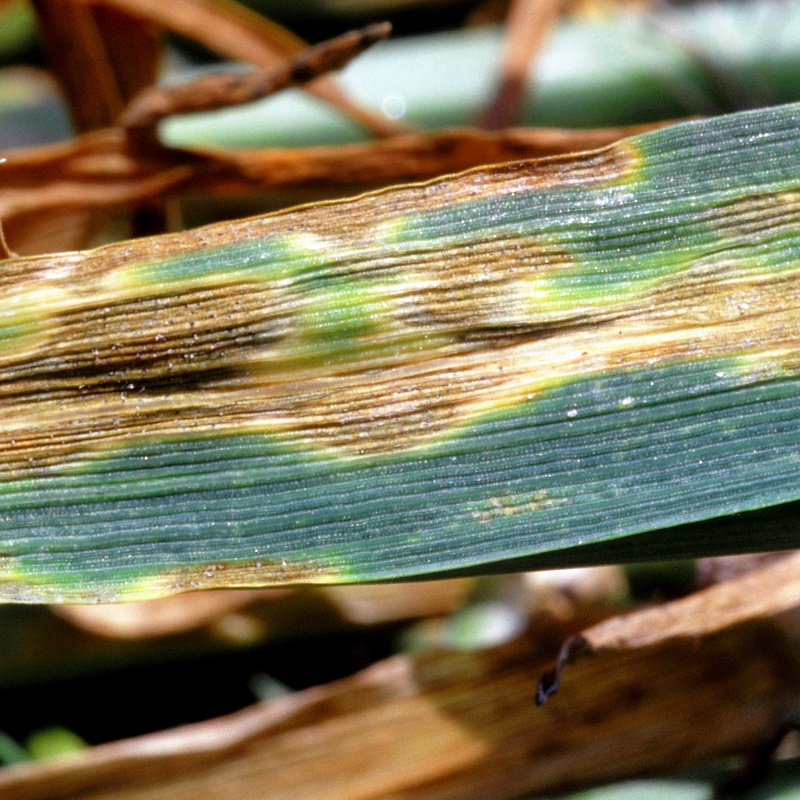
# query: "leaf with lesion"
572,333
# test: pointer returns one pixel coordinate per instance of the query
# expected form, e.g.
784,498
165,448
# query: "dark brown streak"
124,376
491,335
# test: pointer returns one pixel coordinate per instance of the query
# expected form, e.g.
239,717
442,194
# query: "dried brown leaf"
55,230
100,57
527,26
455,725
56,197
416,156
762,594
717,569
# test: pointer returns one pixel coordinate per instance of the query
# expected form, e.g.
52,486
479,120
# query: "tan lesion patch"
510,505
23,586
481,287
406,399
260,573
752,217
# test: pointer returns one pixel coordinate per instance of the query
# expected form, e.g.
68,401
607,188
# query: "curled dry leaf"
767,593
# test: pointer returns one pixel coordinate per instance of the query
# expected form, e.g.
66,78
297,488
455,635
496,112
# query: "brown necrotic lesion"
749,219
462,331
210,361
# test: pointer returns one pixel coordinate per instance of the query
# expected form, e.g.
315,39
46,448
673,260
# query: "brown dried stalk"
220,91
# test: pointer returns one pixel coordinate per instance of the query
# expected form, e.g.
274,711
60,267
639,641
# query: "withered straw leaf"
761,594
526,30
463,725
220,91
100,56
